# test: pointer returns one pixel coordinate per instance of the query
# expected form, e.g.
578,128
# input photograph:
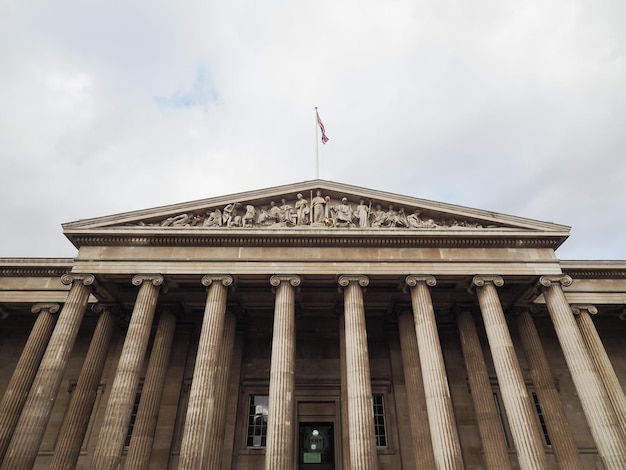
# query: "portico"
318,344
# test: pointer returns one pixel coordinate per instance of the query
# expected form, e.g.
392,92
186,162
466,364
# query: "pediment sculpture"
318,211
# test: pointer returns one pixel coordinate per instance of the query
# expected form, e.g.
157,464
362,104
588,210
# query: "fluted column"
601,360
489,426
202,394
360,409
108,452
593,398
517,403
559,430
216,427
418,415
140,447
76,419
279,453
445,438
24,446
24,373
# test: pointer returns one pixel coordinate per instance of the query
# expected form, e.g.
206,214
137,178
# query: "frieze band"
316,211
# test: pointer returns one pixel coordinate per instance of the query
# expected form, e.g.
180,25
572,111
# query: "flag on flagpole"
319,122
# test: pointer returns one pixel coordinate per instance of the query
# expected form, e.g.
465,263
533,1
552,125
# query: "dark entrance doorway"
317,447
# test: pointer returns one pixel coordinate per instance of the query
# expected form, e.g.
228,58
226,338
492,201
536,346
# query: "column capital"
347,279
50,307
480,280
562,279
292,279
414,279
577,309
155,279
517,310
209,279
69,278
102,307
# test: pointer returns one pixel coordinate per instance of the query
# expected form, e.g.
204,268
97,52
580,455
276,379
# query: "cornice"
594,269
35,267
395,239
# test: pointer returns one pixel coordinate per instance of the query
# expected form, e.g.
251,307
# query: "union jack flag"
321,124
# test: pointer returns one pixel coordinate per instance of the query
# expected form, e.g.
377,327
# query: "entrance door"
317,448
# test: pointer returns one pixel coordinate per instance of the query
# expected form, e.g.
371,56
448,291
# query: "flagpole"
317,148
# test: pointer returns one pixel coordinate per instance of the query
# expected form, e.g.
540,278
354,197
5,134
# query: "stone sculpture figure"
302,210
249,217
319,208
274,214
230,217
415,221
378,216
287,214
177,220
342,213
391,217
213,219
363,214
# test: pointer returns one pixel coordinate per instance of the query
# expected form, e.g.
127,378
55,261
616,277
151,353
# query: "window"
542,421
257,421
380,427
502,419
133,417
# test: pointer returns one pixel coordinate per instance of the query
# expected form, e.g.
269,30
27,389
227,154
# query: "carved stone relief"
316,211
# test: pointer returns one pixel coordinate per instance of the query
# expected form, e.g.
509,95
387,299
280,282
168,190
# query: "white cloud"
507,106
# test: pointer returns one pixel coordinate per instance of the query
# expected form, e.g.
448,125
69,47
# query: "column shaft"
489,426
563,444
202,394
345,420
108,452
363,453
595,403
24,446
445,439
602,362
279,453
25,371
418,415
215,435
140,447
76,418
522,419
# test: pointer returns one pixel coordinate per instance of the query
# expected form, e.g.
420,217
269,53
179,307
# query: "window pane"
379,420
257,421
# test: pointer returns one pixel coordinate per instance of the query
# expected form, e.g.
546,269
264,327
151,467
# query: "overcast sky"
514,107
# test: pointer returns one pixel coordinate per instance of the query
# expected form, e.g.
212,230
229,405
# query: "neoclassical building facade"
312,326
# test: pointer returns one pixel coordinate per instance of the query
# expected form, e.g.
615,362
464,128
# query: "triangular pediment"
312,206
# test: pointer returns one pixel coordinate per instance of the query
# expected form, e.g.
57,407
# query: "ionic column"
418,416
487,418
345,426
360,409
24,446
76,418
141,440
216,427
202,394
24,373
279,453
563,444
445,439
107,454
595,403
517,403
602,362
